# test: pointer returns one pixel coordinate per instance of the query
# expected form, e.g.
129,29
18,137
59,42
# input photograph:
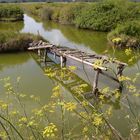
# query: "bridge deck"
89,59
100,63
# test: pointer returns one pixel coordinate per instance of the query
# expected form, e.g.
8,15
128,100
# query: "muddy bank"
15,42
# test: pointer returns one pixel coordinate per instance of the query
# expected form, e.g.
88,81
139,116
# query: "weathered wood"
85,62
120,70
54,55
45,54
79,56
95,82
61,61
39,53
40,47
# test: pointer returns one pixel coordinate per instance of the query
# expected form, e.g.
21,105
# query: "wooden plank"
74,54
40,47
85,62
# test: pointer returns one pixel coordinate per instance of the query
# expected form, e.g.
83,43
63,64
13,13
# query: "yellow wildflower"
85,129
70,106
118,39
98,63
72,68
23,120
14,113
128,52
97,120
50,130
124,78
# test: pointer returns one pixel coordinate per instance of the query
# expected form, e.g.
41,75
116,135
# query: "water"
33,80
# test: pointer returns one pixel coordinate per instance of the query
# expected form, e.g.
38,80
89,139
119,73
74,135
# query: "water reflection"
32,77
12,60
72,37
52,33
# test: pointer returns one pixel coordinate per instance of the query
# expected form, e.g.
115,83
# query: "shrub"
55,14
100,16
46,13
69,13
129,34
10,12
104,16
64,13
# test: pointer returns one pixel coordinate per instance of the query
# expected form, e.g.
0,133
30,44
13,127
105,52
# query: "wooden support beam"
45,55
54,55
61,61
40,47
120,72
39,52
95,82
86,62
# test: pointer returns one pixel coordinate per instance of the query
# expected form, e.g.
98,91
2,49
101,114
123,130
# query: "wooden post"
39,52
95,82
54,55
120,72
45,54
61,61
64,61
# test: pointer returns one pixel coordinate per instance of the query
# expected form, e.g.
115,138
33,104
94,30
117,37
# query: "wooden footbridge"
99,63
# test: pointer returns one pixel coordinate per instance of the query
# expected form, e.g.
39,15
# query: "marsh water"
33,80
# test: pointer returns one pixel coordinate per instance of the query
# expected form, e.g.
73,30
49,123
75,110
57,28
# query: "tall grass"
13,41
10,12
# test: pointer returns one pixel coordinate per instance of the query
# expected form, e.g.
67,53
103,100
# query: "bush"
10,12
46,13
64,13
104,16
128,34
67,14
99,16
33,9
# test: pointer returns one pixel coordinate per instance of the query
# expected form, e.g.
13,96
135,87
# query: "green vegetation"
10,37
104,16
14,41
10,12
100,16
14,26
126,35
